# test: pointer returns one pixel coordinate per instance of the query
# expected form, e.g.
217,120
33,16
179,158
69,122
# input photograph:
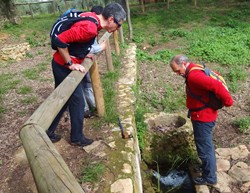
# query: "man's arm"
65,54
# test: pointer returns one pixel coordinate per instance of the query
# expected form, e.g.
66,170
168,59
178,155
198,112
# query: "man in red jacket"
203,119
72,47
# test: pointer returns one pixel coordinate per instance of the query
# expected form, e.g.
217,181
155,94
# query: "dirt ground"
14,177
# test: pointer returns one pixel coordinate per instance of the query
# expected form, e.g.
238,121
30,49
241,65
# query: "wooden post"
142,6
109,57
195,3
66,4
87,2
129,21
117,48
53,7
31,12
97,88
121,34
96,82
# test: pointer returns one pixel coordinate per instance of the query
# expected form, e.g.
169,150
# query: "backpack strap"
197,97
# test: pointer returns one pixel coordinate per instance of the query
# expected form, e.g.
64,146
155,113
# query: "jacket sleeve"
199,80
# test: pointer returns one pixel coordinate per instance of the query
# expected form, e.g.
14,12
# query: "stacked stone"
233,169
14,52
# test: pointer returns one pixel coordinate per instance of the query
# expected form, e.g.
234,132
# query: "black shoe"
83,143
87,114
197,169
53,137
203,181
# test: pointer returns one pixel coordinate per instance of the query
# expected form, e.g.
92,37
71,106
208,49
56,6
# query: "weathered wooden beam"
109,57
97,89
96,82
50,172
117,48
28,3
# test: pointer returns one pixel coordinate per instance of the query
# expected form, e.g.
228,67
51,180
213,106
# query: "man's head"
114,15
98,9
179,63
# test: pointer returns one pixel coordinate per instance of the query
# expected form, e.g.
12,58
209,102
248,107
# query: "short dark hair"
114,10
98,9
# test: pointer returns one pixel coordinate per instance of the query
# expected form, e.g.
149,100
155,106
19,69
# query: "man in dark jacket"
203,119
72,47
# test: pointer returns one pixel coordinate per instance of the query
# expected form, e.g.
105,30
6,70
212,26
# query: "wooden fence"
32,3
50,172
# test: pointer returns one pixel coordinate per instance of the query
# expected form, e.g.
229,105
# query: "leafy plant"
234,76
243,124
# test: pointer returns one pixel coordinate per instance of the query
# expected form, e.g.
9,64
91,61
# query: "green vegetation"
92,172
33,73
36,33
24,90
218,36
29,100
243,124
8,82
108,83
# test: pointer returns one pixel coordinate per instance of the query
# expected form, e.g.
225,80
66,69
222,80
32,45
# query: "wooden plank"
109,57
50,172
96,81
121,34
97,88
117,48
28,3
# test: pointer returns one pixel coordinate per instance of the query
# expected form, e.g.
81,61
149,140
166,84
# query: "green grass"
28,100
109,91
209,34
212,32
34,73
36,31
8,82
92,172
243,124
24,90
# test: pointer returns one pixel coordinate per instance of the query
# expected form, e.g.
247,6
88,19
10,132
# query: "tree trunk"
142,6
8,9
129,21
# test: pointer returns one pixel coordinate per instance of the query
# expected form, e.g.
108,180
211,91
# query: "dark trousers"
203,136
75,104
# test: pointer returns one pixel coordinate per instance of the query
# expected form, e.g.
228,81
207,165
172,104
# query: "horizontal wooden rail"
51,174
28,3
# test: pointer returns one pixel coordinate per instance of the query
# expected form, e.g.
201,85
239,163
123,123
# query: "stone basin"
169,139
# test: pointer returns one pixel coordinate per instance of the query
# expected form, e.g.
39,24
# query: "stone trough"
169,139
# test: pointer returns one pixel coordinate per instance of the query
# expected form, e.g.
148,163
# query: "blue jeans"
75,104
203,136
89,99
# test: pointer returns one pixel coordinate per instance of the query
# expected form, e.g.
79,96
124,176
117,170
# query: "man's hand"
77,67
103,45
